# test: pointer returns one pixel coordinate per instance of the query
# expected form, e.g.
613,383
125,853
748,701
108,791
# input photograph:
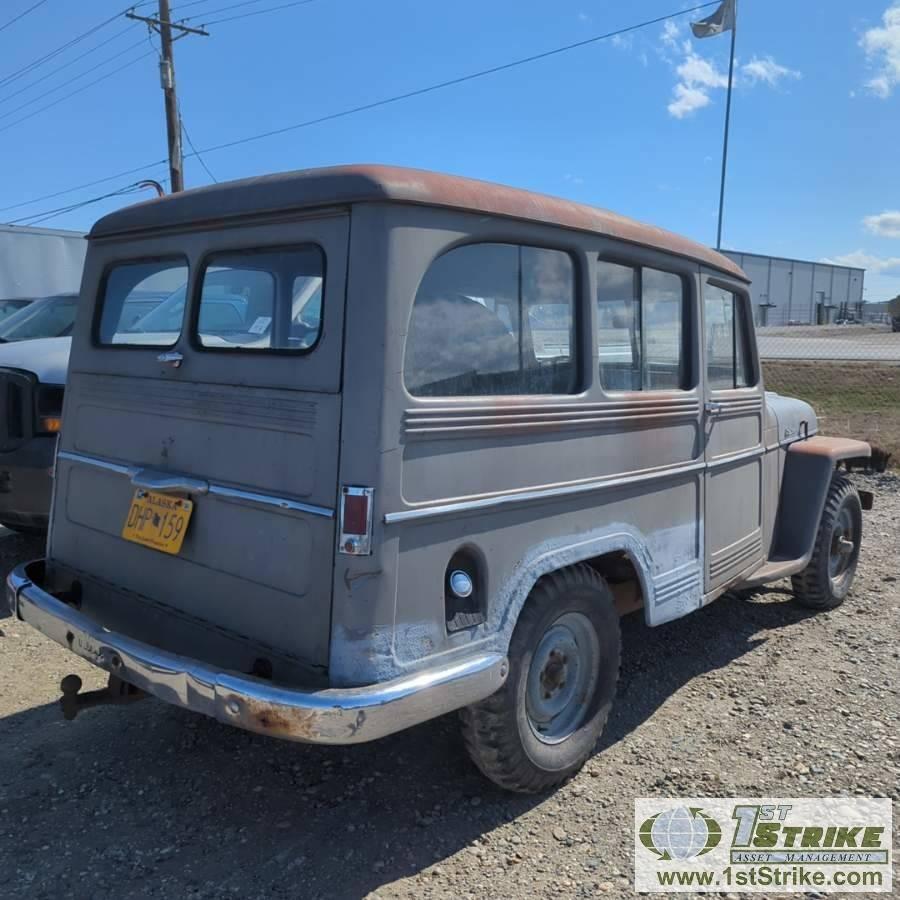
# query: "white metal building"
38,262
795,291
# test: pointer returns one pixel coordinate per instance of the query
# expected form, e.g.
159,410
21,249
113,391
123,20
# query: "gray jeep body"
263,619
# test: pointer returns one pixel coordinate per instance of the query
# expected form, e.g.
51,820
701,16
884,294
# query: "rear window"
262,300
130,289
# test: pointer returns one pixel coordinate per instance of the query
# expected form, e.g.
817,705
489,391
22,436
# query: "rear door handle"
164,483
171,357
712,407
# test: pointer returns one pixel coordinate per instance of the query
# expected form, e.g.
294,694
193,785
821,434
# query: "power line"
87,184
22,15
193,148
383,102
71,62
213,12
65,97
247,15
452,82
34,64
37,218
66,84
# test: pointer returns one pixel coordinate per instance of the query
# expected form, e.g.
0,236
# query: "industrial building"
798,292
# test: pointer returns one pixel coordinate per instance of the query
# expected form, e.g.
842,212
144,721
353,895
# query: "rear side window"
262,300
640,328
728,360
133,293
493,319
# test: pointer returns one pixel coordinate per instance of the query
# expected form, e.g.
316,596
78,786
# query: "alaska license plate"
157,520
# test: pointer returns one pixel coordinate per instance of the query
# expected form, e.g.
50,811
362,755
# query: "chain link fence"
849,373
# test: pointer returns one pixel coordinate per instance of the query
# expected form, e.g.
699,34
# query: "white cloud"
696,71
623,41
687,100
859,259
882,48
886,224
766,70
671,34
699,76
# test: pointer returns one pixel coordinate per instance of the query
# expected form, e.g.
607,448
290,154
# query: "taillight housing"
356,521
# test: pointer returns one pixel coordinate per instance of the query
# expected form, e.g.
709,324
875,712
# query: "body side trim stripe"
444,509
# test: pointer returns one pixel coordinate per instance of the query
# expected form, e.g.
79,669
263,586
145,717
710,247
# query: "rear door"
227,394
733,433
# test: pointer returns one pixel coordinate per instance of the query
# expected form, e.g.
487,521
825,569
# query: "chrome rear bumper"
332,716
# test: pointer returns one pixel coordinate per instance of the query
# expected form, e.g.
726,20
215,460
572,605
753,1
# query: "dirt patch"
851,399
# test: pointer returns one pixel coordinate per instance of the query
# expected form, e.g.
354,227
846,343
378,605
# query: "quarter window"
493,319
132,293
640,322
262,300
728,360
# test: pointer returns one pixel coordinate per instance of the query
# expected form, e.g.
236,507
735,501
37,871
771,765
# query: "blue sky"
632,124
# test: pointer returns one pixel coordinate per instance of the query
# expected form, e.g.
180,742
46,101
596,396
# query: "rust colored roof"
342,185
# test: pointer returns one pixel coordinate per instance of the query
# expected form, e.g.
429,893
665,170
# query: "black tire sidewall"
837,593
595,602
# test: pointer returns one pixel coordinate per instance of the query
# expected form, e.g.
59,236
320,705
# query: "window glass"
728,363
662,297
493,319
743,373
262,300
640,336
618,327
47,317
133,287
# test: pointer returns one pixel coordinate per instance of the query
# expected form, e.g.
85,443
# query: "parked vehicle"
894,313
437,492
32,375
42,318
9,305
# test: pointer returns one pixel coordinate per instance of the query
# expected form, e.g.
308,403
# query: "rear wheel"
826,581
543,724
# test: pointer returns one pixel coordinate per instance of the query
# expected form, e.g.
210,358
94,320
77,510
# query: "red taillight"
356,514
356,521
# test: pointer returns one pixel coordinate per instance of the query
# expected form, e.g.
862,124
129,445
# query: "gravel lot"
749,696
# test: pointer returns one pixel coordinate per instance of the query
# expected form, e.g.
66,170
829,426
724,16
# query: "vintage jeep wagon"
406,443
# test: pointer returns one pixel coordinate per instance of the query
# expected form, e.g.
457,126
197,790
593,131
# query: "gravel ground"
746,696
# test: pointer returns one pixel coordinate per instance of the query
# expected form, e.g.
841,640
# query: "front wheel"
543,724
826,581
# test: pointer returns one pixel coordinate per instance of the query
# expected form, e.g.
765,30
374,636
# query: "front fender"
808,469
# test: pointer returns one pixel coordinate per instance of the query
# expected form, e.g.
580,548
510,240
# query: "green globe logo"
682,833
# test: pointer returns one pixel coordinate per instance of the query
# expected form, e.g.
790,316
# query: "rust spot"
831,447
293,724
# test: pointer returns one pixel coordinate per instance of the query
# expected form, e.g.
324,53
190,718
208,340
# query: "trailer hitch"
116,691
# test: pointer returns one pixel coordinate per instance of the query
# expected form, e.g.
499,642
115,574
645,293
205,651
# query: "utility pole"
164,25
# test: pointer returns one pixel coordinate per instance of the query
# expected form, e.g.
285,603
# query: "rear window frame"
196,290
100,303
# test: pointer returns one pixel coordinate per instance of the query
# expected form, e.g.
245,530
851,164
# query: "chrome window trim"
252,498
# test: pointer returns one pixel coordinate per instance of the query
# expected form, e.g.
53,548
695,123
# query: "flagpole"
727,126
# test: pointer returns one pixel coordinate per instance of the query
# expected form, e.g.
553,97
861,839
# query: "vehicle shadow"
148,795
